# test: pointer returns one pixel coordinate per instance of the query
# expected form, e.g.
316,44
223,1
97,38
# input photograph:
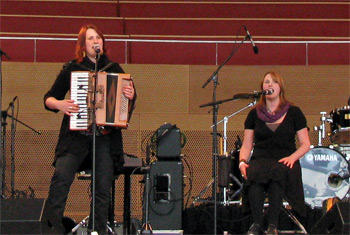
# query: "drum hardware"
321,128
287,209
344,149
294,219
226,201
340,125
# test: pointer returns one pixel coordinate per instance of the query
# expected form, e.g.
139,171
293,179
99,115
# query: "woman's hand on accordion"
65,106
129,91
68,107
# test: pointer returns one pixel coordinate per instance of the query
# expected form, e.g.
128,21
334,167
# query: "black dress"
271,146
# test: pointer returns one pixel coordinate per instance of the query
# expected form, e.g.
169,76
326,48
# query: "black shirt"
271,146
74,141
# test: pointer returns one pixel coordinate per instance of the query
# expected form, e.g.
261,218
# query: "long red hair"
279,80
80,49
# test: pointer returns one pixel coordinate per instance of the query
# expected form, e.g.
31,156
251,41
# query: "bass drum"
321,168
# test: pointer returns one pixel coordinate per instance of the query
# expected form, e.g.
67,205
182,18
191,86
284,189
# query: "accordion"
112,107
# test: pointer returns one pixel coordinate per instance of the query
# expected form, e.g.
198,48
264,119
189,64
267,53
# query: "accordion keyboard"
79,93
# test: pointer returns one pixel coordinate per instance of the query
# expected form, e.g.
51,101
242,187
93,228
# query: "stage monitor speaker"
22,216
168,142
335,221
166,195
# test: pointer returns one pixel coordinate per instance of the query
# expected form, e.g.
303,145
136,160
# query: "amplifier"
168,142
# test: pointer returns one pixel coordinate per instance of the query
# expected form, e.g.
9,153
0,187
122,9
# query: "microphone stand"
215,78
3,152
94,127
12,151
146,227
5,115
2,141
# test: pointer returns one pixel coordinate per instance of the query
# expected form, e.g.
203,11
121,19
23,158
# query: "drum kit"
325,170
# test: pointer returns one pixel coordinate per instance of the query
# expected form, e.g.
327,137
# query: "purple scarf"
264,115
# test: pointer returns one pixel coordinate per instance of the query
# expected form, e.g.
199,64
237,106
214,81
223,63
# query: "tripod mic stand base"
146,229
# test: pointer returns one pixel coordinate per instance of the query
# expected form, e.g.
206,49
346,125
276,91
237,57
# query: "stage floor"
200,220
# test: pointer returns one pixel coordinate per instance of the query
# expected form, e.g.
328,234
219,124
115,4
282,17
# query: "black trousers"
257,194
65,170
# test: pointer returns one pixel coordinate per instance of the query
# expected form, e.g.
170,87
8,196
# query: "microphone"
3,53
245,96
255,48
14,99
253,95
10,105
97,48
267,92
335,180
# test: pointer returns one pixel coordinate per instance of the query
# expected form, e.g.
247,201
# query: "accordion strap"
107,66
102,69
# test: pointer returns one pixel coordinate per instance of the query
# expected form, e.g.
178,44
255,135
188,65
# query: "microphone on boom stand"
255,48
253,95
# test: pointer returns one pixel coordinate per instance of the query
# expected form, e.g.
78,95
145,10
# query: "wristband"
241,162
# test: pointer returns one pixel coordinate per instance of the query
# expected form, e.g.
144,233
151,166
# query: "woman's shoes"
255,229
272,229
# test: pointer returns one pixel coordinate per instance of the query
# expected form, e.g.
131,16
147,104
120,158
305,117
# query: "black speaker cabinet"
22,216
335,221
166,195
168,142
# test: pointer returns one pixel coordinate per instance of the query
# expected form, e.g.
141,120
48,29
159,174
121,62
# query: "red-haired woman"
74,147
269,159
